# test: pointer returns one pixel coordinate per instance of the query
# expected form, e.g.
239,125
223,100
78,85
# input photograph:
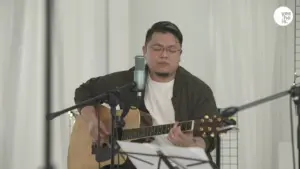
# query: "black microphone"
139,75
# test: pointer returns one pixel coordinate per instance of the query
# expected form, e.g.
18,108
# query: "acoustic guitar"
80,154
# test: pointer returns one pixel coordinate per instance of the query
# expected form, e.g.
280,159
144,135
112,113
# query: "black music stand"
155,157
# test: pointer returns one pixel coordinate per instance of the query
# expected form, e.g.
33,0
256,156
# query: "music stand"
151,156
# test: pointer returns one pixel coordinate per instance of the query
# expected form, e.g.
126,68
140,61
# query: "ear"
180,55
144,50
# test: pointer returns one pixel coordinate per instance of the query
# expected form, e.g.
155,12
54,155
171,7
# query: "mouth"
163,63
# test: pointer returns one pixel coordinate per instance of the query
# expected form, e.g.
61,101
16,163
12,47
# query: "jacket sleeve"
90,89
205,105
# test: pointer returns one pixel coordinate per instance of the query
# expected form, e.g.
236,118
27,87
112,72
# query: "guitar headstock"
212,126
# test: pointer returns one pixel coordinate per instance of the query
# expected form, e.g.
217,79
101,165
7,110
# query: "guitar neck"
150,131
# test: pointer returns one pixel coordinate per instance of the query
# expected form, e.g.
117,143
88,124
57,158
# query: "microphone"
139,75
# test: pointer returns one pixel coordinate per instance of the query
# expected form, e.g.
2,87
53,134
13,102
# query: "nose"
164,53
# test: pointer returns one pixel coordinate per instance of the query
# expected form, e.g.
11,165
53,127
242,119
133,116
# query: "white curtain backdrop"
21,44
234,46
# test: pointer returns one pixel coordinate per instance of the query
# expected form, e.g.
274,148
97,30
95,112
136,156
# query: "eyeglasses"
160,49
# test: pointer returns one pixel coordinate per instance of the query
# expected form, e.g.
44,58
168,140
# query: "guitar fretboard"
153,130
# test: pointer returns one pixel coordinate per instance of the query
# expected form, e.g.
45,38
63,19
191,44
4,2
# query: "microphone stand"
48,69
111,97
99,98
294,93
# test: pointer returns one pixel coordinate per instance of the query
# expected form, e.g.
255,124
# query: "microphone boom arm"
230,111
100,98
294,93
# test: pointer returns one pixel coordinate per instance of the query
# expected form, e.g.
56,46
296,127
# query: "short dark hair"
164,27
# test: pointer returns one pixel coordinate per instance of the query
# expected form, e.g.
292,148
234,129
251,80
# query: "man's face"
162,53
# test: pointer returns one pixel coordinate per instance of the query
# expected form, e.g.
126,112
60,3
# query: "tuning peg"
202,120
204,134
209,128
206,117
215,116
201,129
212,135
219,119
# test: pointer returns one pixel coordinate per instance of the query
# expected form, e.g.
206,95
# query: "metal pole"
48,76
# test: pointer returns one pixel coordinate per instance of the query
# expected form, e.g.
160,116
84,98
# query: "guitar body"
80,147
137,125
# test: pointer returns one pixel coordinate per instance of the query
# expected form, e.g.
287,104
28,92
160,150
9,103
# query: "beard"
162,74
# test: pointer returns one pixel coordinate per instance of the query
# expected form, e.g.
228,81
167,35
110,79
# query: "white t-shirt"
159,104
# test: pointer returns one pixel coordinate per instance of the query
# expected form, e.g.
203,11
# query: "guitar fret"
142,132
169,126
161,130
184,126
156,130
146,131
150,131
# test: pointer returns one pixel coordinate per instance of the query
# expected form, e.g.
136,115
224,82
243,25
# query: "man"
171,94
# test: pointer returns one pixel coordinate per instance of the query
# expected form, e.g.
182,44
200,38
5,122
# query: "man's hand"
178,138
89,115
